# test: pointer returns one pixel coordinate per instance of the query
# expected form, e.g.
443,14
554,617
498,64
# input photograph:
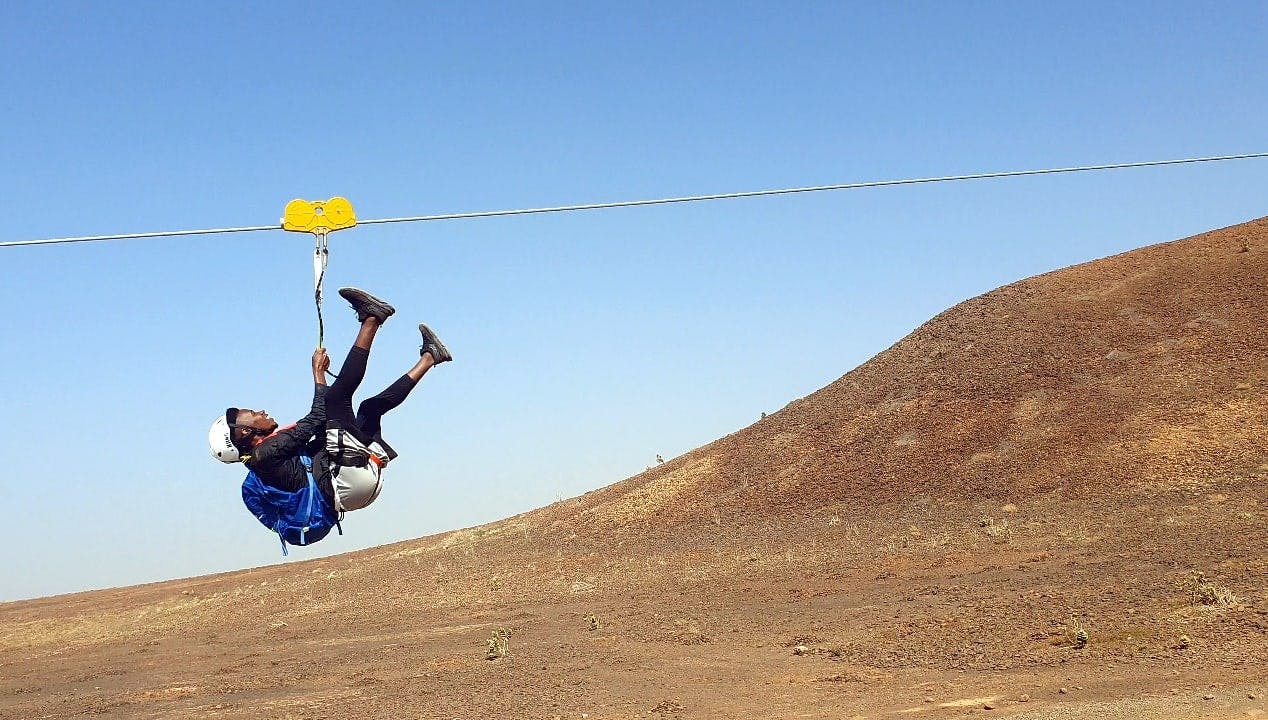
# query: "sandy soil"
925,537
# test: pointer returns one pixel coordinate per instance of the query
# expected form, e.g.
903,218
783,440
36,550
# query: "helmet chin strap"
255,434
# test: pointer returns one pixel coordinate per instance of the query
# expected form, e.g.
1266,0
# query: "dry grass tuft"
1203,591
1076,634
1000,531
499,644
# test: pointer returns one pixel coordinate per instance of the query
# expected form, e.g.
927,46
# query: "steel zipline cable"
660,201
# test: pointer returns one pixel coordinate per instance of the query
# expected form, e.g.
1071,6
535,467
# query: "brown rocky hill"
1056,485
1143,369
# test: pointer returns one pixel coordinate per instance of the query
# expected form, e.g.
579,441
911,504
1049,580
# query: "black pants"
369,417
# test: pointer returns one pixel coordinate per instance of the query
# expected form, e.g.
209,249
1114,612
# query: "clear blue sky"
586,343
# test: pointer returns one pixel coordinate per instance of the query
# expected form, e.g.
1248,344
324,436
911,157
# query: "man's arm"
311,423
291,441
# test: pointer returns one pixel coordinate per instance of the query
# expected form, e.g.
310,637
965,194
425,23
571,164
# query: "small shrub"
1203,591
1000,532
1076,634
499,644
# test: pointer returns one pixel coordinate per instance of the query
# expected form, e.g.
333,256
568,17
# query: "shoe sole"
364,301
429,338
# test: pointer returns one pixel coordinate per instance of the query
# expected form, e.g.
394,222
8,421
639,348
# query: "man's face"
257,419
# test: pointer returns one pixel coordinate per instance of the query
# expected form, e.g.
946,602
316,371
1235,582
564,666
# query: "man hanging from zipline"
305,476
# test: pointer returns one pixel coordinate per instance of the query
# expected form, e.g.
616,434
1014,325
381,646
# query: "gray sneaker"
432,344
366,304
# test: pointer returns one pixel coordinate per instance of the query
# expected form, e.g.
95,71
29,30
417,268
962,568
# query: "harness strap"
313,496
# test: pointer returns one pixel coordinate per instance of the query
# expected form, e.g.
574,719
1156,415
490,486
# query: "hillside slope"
1143,368
926,535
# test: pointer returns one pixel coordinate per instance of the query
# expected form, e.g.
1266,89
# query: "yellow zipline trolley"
319,217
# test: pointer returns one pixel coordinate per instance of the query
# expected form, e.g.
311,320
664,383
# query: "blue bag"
300,518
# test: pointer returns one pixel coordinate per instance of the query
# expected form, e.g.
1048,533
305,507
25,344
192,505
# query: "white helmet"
220,438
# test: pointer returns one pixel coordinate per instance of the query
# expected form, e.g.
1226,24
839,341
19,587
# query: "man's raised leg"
432,353
371,312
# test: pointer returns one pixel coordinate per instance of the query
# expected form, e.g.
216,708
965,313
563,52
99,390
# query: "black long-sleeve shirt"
276,459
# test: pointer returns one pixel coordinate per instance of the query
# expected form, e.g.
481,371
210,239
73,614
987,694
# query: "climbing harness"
319,217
